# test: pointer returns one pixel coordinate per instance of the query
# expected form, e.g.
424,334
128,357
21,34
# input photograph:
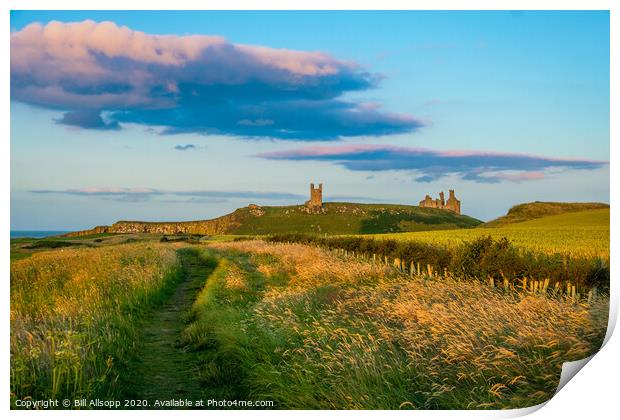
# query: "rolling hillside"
538,209
336,218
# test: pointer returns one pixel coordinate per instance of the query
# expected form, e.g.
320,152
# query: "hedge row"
481,258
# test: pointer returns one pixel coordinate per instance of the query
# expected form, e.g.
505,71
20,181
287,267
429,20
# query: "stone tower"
316,198
453,203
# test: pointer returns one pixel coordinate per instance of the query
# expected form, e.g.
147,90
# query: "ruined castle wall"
452,204
429,202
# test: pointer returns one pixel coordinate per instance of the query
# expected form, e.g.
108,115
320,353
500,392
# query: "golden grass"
312,265
352,334
73,316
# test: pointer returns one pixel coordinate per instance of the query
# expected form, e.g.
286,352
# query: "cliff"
217,226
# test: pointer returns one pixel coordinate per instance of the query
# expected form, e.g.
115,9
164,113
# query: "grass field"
580,234
305,328
75,313
132,316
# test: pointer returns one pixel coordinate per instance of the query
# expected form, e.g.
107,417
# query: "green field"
584,234
537,209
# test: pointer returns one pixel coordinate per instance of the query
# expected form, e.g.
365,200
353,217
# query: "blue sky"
109,124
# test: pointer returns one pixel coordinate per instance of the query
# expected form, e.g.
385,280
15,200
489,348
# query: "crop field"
579,234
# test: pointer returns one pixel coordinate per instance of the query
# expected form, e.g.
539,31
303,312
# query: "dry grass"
345,333
74,313
312,266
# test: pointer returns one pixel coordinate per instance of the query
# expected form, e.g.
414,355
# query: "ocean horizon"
37,233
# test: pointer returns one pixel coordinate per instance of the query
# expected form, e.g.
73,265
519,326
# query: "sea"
36,233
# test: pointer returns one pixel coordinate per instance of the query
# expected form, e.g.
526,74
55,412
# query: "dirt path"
162,369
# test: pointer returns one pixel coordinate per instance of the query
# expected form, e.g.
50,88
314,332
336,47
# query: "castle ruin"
452,204
315,204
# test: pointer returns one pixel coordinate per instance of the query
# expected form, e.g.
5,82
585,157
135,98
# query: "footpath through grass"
103,324
162,368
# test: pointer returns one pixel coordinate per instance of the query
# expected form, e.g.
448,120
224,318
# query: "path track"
162,369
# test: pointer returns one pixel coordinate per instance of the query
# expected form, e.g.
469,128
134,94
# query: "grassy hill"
589,219
346,218
538,209
579,233
336,219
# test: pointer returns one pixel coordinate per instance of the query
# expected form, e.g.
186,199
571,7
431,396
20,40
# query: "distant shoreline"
36,233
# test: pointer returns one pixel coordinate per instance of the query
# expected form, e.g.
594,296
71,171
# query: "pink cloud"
192,83
85,52
76,42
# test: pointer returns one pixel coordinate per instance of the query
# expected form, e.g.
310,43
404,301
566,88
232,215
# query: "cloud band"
431,165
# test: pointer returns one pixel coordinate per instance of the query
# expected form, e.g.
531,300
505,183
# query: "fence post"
592,295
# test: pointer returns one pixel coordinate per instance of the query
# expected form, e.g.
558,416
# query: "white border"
593,394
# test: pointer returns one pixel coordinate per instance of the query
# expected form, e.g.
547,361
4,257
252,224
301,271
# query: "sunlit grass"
307,328
74,316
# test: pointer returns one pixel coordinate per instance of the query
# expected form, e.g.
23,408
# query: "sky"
164,116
